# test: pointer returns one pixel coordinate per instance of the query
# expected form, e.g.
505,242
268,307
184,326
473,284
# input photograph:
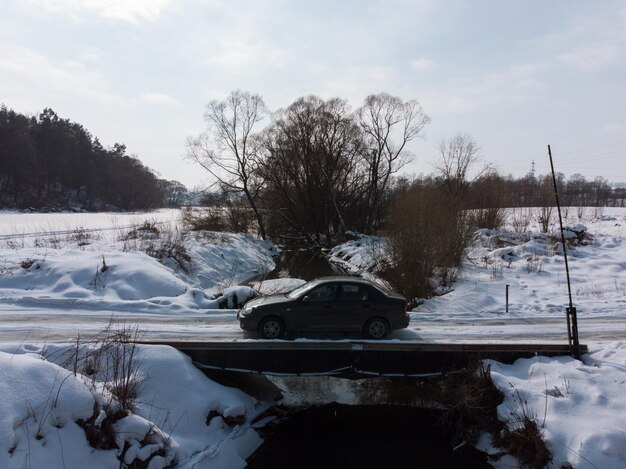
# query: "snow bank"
180,414
40,405
580,406
73,274
359,256
186,277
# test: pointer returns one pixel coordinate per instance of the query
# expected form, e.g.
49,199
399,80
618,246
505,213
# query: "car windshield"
301,289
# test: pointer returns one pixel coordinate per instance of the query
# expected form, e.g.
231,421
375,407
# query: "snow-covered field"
25,226
54,287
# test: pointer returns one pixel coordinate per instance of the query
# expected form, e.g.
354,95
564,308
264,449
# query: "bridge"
355,359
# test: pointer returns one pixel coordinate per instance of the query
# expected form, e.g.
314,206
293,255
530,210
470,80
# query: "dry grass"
523,438
521,218
592,289
110,357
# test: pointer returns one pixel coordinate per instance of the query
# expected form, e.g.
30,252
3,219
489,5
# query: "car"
327,304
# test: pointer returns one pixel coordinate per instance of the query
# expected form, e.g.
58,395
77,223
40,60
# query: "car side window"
327,292
351,292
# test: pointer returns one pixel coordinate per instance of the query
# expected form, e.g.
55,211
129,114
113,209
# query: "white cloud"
250,55
355,83
35,74
133,11
592,57
515,84
159,98
448,103
590,42
422,64
614,127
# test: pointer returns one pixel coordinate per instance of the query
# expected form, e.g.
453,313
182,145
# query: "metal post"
507,298
570,312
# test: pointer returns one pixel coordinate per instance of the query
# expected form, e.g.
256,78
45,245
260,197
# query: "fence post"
507,298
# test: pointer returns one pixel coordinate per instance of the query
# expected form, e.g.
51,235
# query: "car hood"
267,300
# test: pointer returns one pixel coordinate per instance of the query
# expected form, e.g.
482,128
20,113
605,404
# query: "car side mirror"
305,299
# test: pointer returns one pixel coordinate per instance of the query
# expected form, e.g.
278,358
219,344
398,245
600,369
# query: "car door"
315,311
353,305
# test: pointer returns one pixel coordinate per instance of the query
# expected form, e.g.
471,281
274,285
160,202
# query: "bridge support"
354,359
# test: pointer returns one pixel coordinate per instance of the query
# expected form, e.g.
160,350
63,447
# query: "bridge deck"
355,359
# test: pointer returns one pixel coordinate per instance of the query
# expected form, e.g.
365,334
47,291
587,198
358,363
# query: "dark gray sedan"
328,304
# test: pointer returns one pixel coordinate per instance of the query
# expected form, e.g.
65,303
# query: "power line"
590,148
596,155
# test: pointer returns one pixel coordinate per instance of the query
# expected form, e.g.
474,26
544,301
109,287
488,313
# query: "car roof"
351,279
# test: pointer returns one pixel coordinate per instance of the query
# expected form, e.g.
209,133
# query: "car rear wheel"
376,328
272,328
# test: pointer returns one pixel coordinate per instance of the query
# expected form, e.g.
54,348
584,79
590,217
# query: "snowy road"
36,324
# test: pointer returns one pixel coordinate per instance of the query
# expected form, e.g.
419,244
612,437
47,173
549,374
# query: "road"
45,325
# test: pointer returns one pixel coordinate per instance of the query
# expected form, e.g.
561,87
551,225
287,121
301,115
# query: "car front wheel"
376,328
272,328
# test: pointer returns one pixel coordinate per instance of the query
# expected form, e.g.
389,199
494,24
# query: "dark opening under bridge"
355,359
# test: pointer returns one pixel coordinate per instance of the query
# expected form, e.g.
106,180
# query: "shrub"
209,219
428,234
521,218
492,218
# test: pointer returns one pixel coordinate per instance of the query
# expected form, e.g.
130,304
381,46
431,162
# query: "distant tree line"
50,162
492,190
536,190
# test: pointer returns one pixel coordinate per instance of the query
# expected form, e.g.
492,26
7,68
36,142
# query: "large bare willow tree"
319,167
227,149
311,165
389,124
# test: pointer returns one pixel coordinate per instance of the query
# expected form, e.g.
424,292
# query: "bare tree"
545,200
458,155
226,150
382,118
311,166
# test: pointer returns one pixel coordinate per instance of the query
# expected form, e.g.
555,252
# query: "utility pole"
570,312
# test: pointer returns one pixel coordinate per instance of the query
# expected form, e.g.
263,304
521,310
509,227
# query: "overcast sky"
516,75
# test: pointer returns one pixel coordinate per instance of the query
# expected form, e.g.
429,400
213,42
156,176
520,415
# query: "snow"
181,275
580,406
85,269
28,225
359,256
54,286
43,403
